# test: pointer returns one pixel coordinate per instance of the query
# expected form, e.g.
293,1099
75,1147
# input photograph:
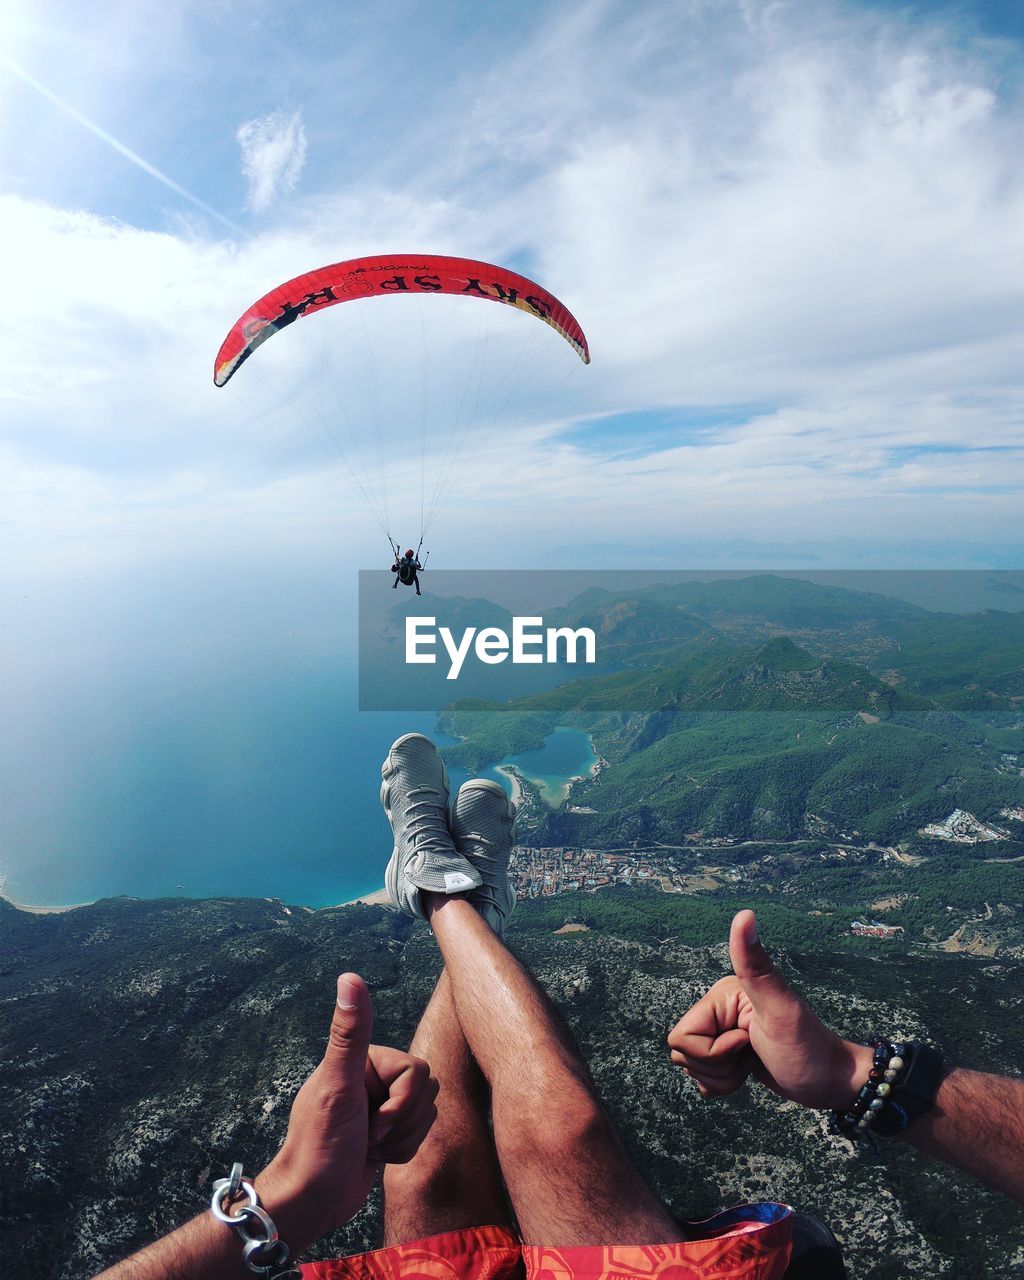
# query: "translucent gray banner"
875,644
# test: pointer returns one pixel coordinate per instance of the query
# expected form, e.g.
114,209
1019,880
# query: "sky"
793,231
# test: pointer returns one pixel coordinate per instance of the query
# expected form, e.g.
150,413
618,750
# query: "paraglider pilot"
407,570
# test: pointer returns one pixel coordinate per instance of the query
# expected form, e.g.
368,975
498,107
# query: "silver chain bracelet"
264,1252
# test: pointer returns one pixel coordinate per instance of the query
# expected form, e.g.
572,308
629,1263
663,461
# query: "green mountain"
776,741
632,629
782,777
790,603
972,662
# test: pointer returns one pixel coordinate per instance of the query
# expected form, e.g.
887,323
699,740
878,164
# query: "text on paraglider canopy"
530,642
291,311
491,289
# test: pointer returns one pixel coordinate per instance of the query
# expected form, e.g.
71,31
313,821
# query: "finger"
405,1089
719,1088
400,1148
720,1083
722,1064
412,1128
384,1124
735,1070
688,1064
764,985
376,1089
727,1045
712,1013
689,1042
704,1049
349,1040
388,1064
396,1109
394,1120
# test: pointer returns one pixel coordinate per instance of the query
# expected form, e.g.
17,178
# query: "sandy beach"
48,911
379,898
508,771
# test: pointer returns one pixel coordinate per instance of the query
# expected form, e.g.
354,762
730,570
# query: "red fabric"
380,277
479,1253
742,1250
749,1251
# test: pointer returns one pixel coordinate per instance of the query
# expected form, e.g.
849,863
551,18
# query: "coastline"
509,771
377,898
521,787
553,798
49,911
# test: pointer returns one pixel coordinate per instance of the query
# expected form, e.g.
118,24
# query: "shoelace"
486,860
426,824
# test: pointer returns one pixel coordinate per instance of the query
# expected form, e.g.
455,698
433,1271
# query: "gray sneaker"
414,794
483,827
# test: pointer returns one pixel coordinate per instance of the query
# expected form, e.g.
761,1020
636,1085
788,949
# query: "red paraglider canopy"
390,276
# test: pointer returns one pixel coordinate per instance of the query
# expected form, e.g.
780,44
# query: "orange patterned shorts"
751,1242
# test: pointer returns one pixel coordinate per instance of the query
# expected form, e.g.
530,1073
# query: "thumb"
765,987
349,1040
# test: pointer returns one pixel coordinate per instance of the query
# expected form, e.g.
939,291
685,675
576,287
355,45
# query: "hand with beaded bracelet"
753,1023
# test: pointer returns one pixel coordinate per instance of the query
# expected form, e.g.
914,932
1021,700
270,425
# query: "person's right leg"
570,1179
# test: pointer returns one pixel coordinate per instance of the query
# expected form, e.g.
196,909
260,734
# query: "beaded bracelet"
890,1060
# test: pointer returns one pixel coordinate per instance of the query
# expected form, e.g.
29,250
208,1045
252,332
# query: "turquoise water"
258,783
566,754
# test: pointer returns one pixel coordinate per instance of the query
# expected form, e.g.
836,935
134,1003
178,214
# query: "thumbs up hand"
754,1023
365,1105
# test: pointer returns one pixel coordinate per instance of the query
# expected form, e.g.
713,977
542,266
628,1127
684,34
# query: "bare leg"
454,1180
569,1177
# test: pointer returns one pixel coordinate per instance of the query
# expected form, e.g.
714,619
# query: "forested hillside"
146,1045
879,718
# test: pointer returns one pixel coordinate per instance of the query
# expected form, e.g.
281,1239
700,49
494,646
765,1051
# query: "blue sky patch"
644,431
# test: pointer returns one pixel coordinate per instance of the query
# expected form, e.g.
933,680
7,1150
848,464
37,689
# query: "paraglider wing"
383,277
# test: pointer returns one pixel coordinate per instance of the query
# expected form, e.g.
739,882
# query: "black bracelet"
901,1086
916,1091
886,1068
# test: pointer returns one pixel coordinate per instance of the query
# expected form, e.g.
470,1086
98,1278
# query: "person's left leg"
453,1181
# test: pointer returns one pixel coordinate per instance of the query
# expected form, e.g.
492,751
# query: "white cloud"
805,209
273,155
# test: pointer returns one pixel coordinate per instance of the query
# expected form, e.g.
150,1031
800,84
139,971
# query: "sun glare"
14,30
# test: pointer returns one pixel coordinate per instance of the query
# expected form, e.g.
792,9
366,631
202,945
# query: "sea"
258,784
